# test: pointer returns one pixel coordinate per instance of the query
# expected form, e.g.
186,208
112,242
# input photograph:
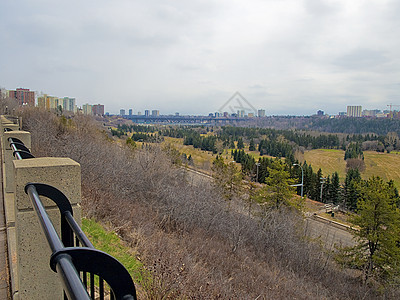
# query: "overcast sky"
190,56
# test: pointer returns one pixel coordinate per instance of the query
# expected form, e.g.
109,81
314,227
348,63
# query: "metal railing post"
72,283
68,260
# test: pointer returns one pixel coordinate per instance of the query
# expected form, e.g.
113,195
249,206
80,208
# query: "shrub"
183,232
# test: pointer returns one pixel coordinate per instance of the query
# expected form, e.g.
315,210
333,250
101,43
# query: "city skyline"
288,57
241,109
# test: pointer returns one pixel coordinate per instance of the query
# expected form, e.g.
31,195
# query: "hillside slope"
384,165
186,236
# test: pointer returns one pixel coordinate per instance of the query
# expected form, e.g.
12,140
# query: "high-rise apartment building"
130,112
23,96
41,102
354,111
49,102
147,113
155,113
371,112
261,112
122,112
68,104
87,109
98,109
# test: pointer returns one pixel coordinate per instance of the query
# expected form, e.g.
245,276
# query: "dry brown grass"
384,165
194,246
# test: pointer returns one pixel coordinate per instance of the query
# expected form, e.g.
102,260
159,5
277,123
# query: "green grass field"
384,165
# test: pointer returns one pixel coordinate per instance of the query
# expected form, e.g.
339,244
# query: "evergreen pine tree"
377,251
326,190
232,144
353,178
334,191
252,146
240,144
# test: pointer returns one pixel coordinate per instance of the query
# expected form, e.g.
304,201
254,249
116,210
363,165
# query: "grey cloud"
187,67
362,59
305,79
321,8
288,55
257,91
257,86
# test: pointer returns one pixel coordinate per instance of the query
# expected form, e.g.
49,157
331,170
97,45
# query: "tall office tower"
147,113
130,112
354,111
261,112
155,113
122,112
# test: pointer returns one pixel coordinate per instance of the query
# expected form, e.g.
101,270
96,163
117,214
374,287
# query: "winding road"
327,231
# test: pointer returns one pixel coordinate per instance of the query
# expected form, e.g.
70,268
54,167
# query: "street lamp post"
257,164
322,185
302,178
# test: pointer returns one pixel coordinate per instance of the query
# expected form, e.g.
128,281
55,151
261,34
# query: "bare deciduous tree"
190,243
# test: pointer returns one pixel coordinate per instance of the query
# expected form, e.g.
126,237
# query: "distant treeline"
281,143
269,141
137,128
140,133
378,126
278,143
347,125
332,190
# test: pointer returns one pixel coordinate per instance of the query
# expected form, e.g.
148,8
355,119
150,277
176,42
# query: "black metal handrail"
20,151
73,263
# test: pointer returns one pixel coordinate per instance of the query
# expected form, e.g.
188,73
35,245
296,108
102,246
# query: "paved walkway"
4,274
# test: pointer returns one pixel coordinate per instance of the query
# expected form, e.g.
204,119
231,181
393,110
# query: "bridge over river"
192,120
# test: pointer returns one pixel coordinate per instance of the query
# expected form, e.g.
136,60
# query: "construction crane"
390,109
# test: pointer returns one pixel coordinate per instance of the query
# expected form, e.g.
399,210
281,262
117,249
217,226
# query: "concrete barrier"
332,223
28,250
35,278
9,123
24,137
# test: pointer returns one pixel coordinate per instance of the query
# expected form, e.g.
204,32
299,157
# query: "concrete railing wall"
28,250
